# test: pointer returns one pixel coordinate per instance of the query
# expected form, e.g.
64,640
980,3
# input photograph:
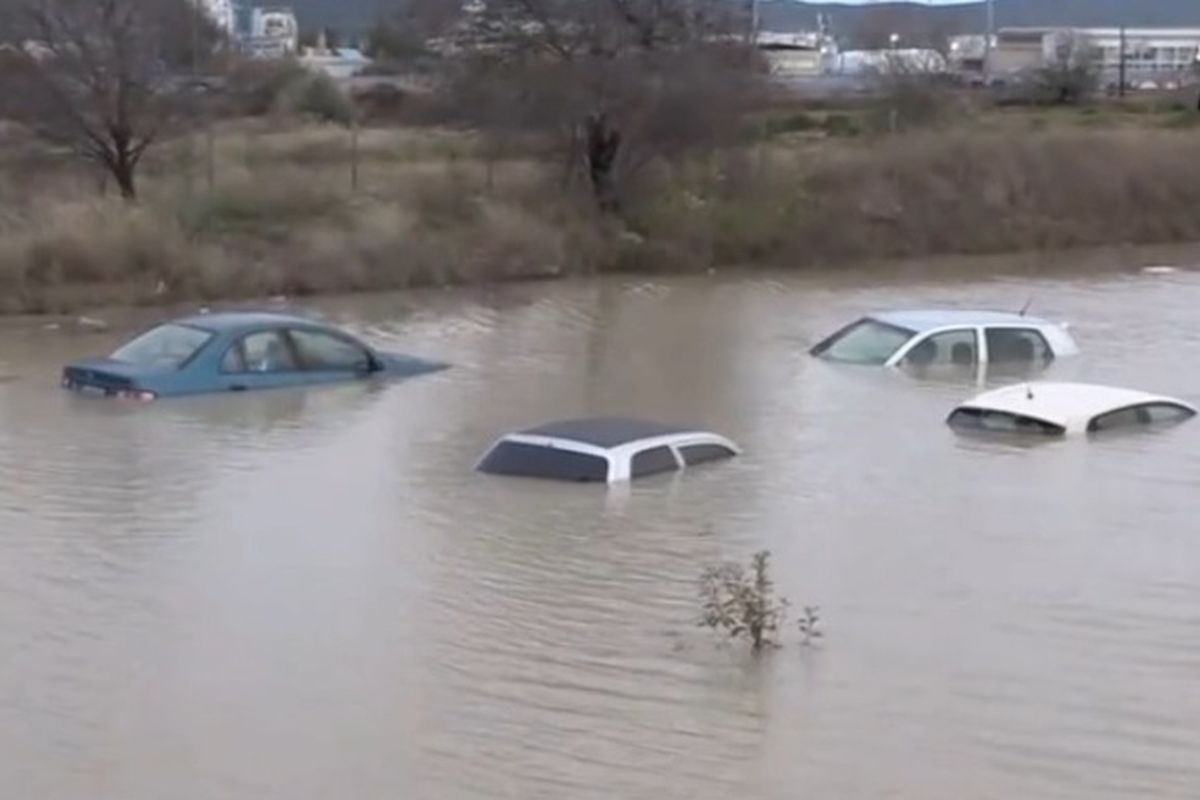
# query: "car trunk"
104,376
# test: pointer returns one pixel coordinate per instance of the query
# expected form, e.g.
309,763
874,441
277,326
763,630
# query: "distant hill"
357,15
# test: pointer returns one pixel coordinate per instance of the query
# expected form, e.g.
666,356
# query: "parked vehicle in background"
234,352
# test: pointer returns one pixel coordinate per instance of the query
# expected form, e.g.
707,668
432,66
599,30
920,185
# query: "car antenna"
1028,303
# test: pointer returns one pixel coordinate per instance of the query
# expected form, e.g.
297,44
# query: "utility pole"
1121,66
754,22
987,40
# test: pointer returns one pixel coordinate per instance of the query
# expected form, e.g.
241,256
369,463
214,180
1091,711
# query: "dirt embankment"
286,211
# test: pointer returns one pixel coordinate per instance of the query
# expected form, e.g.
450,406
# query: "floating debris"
91,324
1159,270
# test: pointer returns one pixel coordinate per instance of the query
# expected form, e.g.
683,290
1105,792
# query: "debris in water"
1159,270
91,323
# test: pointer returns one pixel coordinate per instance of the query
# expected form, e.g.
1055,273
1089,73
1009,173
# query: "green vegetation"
741,603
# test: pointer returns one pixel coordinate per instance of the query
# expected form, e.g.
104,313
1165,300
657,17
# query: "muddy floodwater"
310,595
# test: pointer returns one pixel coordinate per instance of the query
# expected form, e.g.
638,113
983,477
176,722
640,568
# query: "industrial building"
263,31
222,14
805,54
1152,57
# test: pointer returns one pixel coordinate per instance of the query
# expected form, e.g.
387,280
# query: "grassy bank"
266,210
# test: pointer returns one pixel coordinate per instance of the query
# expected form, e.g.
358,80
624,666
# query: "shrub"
286,87
841,125
797,122
742,603
265,208
70,254
1073,73
256,86
316,95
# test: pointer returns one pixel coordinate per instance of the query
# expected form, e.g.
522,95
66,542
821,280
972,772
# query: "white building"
1152,56
901,61
797,55
968,52
221,12
274,32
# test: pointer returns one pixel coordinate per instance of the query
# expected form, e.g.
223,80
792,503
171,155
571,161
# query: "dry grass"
281,215
932,193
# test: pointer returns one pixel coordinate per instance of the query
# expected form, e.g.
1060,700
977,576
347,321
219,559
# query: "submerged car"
1058,409
603,450
922,338
235,352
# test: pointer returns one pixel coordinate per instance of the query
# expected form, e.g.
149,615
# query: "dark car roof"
606,431
236,320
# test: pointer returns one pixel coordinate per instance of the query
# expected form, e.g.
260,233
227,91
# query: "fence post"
354,155
211,157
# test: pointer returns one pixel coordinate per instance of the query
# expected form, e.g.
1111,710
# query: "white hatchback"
948,337
1058,409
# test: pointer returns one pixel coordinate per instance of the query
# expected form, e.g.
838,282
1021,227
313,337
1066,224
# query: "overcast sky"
925,2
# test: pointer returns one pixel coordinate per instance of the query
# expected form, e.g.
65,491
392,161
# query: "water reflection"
310,594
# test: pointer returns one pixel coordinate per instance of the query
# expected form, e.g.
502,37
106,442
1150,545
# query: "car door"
325,356
1016,352
264,359
952,352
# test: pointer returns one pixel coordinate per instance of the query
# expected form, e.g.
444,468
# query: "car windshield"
867,341
167,346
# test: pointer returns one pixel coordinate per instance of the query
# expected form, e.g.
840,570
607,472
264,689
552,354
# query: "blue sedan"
235,352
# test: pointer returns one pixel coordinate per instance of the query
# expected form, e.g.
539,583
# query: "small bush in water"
742,603
809,621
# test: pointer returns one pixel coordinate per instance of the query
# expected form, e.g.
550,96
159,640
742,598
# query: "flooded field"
310,595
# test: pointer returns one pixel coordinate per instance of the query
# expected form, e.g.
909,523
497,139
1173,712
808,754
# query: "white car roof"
1069,405
606,432
923,320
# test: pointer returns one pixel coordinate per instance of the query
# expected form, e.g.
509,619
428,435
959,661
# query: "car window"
700,453
950,348
323,351
169,346
980,419
1145,414
234,360
1017,346
537,461
656,459
867,341
267,351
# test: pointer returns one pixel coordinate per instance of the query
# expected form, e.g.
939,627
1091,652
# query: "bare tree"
616,82
884,26
879,27
102,76
1072,72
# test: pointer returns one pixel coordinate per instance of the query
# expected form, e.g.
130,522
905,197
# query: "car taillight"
136,394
